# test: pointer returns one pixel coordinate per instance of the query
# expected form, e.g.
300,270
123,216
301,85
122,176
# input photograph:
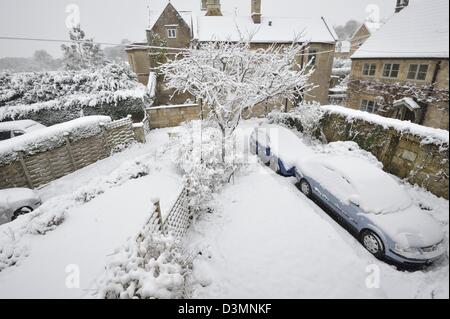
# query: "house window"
391,70
369,69
172,33
312,57
417,72
369,106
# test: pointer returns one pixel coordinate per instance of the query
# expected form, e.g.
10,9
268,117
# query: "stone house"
362,34
177,29
402,70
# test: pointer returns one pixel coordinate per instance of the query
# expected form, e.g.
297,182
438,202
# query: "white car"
17,201
12,129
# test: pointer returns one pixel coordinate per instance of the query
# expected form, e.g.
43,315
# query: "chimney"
401,4
213,8
256,11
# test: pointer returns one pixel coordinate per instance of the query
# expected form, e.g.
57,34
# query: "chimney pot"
213,8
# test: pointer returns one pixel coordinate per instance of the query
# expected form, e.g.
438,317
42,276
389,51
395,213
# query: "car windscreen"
5,135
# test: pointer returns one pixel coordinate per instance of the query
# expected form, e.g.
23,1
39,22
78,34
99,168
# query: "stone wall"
174,115
436,113
407,155
37,169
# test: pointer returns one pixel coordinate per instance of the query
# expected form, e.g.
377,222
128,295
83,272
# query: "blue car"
375,206
278,147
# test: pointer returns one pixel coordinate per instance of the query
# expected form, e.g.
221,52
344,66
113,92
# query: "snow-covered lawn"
91,230
267,240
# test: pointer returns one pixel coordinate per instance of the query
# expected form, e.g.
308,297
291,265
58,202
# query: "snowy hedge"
112,90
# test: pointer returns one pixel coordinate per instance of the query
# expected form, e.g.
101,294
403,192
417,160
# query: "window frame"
175,33
312,55
418,71
365,106
369,69
390,70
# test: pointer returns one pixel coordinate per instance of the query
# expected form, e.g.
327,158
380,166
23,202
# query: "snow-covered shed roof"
408,102
271,29
420,30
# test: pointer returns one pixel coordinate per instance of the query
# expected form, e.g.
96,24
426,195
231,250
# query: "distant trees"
345,32
82,53
40,61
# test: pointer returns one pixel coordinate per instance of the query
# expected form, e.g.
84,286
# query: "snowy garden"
192,212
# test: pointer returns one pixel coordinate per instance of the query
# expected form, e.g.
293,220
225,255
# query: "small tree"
82,53
230,78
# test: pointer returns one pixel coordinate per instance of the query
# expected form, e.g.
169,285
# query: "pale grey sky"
114,20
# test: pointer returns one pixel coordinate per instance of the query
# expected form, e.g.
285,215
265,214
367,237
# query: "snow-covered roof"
420,30
271,29
408,102
188,16
372,27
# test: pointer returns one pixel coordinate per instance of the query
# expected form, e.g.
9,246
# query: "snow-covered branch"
232,77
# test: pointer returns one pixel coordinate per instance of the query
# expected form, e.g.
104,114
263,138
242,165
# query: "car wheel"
21,211
372,243
305,188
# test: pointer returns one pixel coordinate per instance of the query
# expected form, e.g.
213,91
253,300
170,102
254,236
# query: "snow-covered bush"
111,90
197,153
305,118
155,268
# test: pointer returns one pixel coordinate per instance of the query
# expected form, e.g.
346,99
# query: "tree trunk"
223,146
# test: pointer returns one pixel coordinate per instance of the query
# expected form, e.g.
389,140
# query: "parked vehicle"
17,201
376,207
278,147
12,129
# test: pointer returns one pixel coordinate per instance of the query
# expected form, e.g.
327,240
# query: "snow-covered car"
12,129
375,206
17,201
278,147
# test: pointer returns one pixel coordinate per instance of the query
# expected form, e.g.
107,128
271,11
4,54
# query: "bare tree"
230,78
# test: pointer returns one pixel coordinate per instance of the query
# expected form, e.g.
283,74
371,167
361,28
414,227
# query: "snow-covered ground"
263,240
117,208
266,240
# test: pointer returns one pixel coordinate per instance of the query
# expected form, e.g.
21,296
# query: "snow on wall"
50,153
50,137
429,135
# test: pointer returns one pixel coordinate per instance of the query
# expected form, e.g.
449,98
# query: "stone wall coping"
430,135
162,107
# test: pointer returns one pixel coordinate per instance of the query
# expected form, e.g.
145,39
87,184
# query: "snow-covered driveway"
266,240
